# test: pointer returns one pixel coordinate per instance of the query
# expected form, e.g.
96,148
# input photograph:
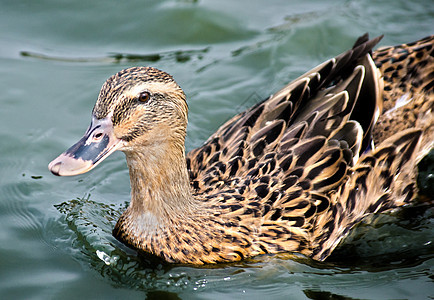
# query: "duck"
293,173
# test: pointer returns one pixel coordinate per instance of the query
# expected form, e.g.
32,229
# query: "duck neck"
160,185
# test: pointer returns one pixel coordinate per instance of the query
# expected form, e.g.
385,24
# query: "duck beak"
97,143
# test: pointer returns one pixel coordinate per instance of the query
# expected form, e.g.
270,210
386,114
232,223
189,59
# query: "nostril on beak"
55,169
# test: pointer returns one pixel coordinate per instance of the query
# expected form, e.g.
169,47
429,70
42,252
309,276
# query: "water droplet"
104,257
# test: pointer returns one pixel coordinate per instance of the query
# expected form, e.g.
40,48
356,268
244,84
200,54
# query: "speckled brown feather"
407,70
285,175
408,73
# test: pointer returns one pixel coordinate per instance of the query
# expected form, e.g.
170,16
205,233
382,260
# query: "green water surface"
55,233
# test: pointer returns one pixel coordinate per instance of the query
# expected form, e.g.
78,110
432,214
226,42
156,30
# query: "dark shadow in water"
158,295
179,56
425,179
368,245
321,295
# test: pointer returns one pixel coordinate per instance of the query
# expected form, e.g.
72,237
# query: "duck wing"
295,124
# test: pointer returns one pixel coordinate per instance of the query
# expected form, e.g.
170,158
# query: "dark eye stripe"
123,109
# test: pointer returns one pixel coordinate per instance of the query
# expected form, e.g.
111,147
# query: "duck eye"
144,96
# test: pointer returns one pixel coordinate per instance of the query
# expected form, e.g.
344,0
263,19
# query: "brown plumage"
293,173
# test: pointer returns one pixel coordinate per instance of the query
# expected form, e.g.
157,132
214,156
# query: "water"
55,233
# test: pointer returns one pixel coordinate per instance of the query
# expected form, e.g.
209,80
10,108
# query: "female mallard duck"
293,173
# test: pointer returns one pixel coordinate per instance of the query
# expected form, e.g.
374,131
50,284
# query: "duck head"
137,107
